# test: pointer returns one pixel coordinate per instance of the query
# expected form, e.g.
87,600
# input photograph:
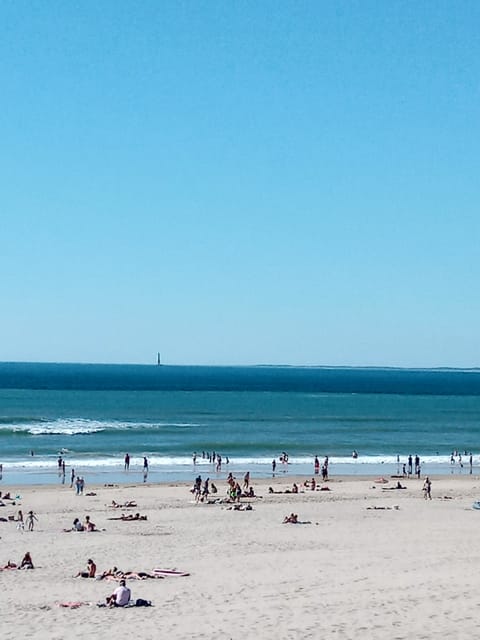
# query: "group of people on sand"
87,525
25,563
291,519
235,491
316,466
201,490
120,597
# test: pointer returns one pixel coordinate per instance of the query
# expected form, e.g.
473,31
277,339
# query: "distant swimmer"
354,454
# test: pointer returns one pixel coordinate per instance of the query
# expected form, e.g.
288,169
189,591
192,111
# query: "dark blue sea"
92,415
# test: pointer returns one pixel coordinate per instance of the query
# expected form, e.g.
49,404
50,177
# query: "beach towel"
171,573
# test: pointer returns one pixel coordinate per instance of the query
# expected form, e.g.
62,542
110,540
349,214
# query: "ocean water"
93,414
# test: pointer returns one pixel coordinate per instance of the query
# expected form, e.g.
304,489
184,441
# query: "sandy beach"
369,562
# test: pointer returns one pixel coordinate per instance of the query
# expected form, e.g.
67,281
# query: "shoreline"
159,475
284,479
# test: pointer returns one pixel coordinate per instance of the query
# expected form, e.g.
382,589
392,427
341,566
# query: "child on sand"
31,520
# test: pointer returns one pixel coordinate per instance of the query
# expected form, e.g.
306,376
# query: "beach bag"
142,603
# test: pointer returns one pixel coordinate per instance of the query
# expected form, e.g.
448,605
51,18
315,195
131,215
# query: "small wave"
79,426
300,464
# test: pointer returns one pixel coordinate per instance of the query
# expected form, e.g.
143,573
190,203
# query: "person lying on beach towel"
293,519
110,574
129,517
399,486
395,506
271,490
73,605
8,566
126,505
167,573
240,507
118,575
140,575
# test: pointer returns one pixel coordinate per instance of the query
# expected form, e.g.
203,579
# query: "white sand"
353,572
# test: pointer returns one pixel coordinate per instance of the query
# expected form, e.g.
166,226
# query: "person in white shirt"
120,597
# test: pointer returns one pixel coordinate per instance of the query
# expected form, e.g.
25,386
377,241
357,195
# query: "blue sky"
240,182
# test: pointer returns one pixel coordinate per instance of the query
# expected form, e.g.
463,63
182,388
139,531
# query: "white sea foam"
301,464
76,426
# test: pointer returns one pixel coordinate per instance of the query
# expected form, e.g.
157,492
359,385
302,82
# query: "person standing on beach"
145,464
127,461
316,465
274,466
72,477
79,485
31,520
427,489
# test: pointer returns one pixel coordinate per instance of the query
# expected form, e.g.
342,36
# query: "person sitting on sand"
27,562
90,572
77,525
292,519
295,488
89,525
120,597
